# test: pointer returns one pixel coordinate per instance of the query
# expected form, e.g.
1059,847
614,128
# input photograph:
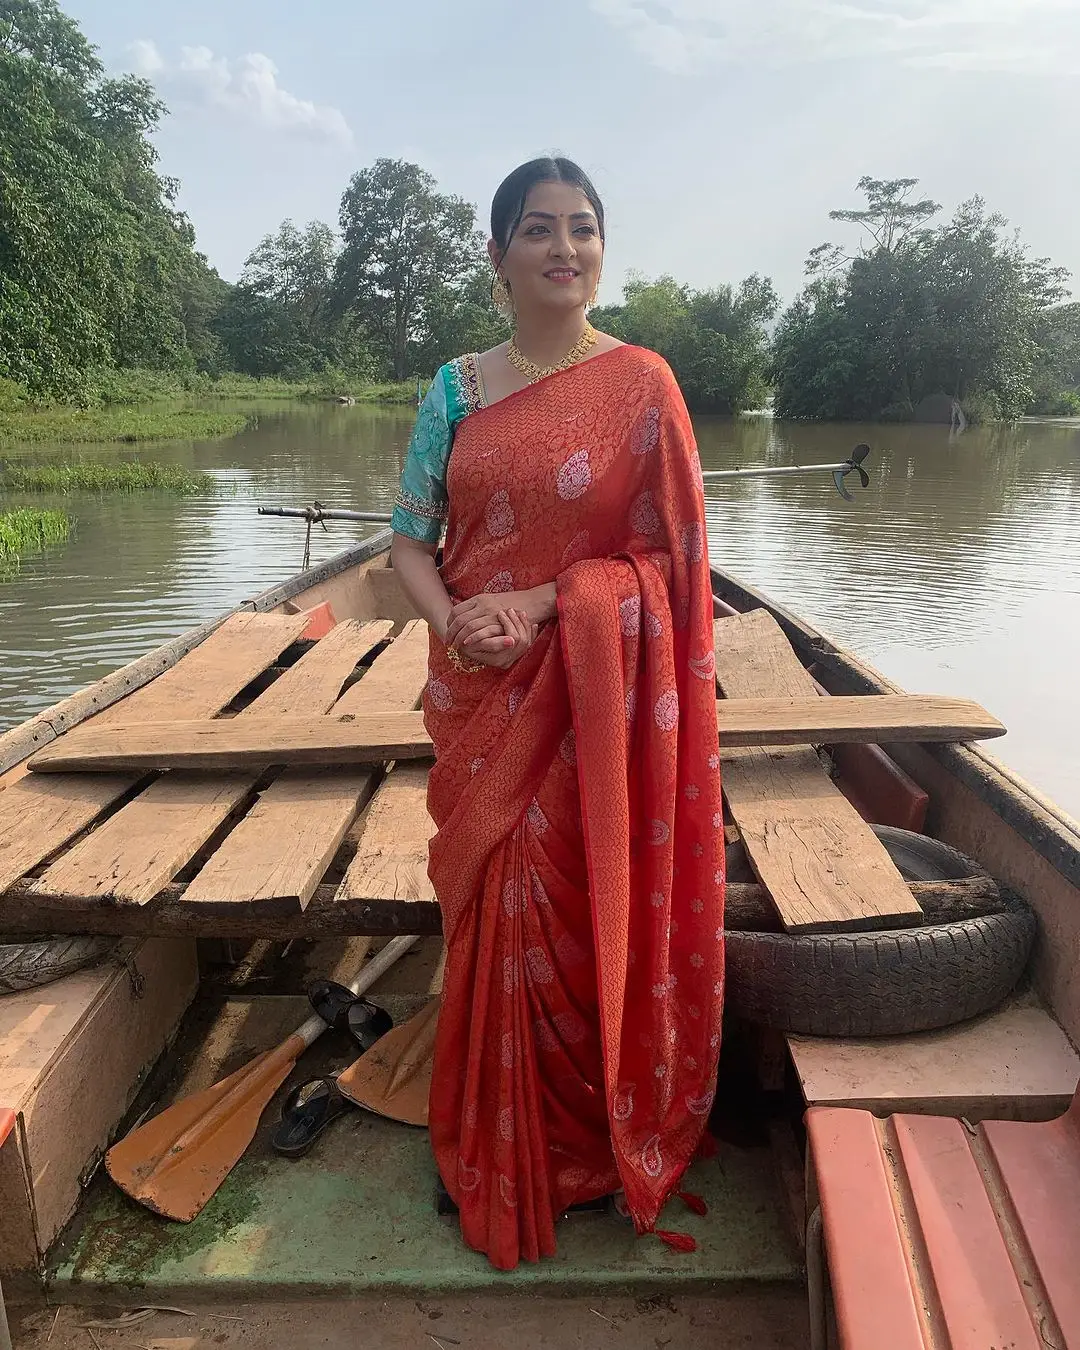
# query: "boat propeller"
854,465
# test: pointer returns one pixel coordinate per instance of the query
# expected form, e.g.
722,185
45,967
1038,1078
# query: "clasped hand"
491,629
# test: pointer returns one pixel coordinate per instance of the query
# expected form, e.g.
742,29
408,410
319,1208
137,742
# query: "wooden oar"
175,1162
249,743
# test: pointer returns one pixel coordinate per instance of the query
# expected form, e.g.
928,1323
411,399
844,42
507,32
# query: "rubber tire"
31,962
917,857
884,983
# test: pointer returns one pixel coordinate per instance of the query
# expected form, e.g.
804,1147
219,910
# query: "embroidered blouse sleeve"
421,505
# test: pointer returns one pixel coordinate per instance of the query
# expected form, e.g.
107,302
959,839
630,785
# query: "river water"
956,572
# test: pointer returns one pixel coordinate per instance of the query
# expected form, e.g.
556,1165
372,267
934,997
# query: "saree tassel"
693,1202
678,1242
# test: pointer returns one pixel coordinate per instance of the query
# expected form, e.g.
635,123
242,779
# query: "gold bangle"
461,663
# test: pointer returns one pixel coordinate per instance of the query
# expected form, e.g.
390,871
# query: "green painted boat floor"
357,1215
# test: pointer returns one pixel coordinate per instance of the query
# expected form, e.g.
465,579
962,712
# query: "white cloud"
146,58
246,88
1024,36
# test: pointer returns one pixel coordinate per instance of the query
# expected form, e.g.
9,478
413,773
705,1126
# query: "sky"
719,133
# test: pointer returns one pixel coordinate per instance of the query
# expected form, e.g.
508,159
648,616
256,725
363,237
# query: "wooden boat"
300,854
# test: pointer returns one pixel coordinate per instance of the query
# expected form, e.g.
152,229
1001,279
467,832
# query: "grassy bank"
29,531
151,405
136,388
37,426
88,475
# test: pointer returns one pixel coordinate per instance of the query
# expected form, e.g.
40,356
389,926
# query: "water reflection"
956,571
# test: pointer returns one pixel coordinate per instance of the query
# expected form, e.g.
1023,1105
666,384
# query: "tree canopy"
97,265
955,308
99,273
716,341
404,247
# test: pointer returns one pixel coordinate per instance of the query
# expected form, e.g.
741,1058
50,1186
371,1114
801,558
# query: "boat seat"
7,1124
940,1235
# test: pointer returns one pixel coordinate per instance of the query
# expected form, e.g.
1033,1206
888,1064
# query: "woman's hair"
508,204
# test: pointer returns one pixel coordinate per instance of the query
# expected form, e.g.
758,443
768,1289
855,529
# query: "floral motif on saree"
579,857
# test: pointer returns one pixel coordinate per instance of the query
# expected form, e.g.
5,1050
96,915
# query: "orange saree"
578,858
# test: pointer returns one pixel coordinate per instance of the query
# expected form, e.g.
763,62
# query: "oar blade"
175,1162
393,1078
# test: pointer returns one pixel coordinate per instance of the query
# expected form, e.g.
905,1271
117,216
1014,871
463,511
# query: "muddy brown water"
956,572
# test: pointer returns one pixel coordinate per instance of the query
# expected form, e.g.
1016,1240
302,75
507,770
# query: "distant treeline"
99,274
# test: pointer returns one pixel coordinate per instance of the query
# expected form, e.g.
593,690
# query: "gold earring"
502,299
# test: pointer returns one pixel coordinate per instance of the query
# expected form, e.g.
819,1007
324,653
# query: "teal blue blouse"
422,503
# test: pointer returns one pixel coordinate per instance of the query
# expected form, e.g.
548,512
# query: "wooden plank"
819,860
39,814
1014,1061
813,720
748,908
392,852
279,852
141,847
334,913
69,712
241,744
211,676
369,737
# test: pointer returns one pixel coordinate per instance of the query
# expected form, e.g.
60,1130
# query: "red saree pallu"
578,859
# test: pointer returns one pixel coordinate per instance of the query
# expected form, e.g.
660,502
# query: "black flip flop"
305,1113
343,1010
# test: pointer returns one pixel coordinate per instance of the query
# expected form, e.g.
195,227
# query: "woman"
578,859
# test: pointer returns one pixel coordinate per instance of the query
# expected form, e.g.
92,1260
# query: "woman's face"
555,255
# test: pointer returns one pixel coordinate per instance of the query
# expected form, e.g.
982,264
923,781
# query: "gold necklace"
520,361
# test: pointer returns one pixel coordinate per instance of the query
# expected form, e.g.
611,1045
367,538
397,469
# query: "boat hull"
958,793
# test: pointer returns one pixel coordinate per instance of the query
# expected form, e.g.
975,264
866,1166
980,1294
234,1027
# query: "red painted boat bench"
938,1235
7,1124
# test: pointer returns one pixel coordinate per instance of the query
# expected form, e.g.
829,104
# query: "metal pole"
316,513
769,471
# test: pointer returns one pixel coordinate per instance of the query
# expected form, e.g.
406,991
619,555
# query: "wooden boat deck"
208,854
336,853
300,851
341,852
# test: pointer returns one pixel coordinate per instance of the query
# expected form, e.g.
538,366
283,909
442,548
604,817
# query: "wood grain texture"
279,852
142,847
369,737
819,860
39,815
392,851
241,744
813,720
285,843
333,913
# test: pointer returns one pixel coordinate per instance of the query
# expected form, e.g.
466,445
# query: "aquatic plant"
28,530
91,475
67,425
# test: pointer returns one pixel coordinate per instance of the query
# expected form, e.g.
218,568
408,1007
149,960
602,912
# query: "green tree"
1057,373
404,244
716,341
889,218
261,337
295,267
97,267
283,320
953,308
458,317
